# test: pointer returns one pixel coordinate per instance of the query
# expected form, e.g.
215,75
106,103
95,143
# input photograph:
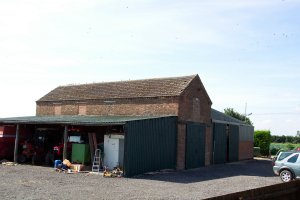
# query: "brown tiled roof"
158,87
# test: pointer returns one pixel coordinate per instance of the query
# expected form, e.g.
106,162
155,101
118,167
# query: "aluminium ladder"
97,161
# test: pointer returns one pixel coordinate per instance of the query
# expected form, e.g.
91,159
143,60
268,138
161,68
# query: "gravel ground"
35,182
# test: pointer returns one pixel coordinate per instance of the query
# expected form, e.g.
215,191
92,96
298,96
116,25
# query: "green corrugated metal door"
233,143
150,145
195,146
219,143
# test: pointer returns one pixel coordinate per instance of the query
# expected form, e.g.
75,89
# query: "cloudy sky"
244,51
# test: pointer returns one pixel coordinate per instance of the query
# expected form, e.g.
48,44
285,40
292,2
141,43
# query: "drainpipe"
65,142
16,143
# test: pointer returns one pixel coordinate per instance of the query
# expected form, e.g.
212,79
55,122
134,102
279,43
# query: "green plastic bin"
81,153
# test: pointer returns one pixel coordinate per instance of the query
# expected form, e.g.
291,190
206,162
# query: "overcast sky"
244,51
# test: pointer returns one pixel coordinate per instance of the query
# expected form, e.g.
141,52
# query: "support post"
65,142
16,143
92,150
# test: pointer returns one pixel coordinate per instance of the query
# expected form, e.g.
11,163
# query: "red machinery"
58,150
28,152
7,140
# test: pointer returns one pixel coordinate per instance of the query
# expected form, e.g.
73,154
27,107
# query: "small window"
82,109
196,108
76,139
293,159
57,109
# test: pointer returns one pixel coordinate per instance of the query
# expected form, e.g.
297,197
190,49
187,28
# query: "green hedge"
262,139
275,147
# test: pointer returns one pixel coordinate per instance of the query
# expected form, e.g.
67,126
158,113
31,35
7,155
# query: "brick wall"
208,147
281,191
245,150
134,109
43,109
181,136
194,103
147,106
246,140
195,106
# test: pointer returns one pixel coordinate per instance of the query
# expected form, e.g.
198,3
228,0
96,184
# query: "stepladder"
97,162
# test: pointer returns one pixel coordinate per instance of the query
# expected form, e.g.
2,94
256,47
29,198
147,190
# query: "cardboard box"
77,167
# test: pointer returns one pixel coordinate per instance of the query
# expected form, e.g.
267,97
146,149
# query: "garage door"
150,145
195,145
233,143
220,143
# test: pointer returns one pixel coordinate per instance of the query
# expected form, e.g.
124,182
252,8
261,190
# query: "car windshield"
283,155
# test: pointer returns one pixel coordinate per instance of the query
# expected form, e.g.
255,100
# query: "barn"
161,123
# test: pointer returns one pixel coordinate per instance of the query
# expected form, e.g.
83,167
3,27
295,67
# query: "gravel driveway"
35,182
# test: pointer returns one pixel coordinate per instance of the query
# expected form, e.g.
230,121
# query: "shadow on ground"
255,167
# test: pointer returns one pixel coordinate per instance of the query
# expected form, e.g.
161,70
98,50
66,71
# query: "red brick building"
184,97
166,122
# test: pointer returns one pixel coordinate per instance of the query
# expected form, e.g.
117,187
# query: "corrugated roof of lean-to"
221,117
75,120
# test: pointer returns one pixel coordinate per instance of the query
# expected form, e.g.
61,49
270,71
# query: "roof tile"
159,87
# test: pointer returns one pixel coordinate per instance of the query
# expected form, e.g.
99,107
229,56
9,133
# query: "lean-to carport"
150,142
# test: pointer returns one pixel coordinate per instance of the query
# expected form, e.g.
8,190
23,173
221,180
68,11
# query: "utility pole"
245,112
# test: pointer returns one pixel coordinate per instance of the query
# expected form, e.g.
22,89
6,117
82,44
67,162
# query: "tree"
289,139
297,138
285,139
277,139
262,139
231,112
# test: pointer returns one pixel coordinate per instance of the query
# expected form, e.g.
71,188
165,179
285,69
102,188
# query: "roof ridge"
134,80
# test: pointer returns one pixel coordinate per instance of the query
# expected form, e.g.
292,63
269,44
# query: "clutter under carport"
117,172
7,163
67,167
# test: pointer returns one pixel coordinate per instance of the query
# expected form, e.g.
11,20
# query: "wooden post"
16,143
65,142
95,141
92,150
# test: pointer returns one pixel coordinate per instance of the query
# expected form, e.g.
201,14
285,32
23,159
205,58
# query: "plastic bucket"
56,163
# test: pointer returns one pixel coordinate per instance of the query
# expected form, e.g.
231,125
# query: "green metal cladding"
195,145
225,143
219,143
150,145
